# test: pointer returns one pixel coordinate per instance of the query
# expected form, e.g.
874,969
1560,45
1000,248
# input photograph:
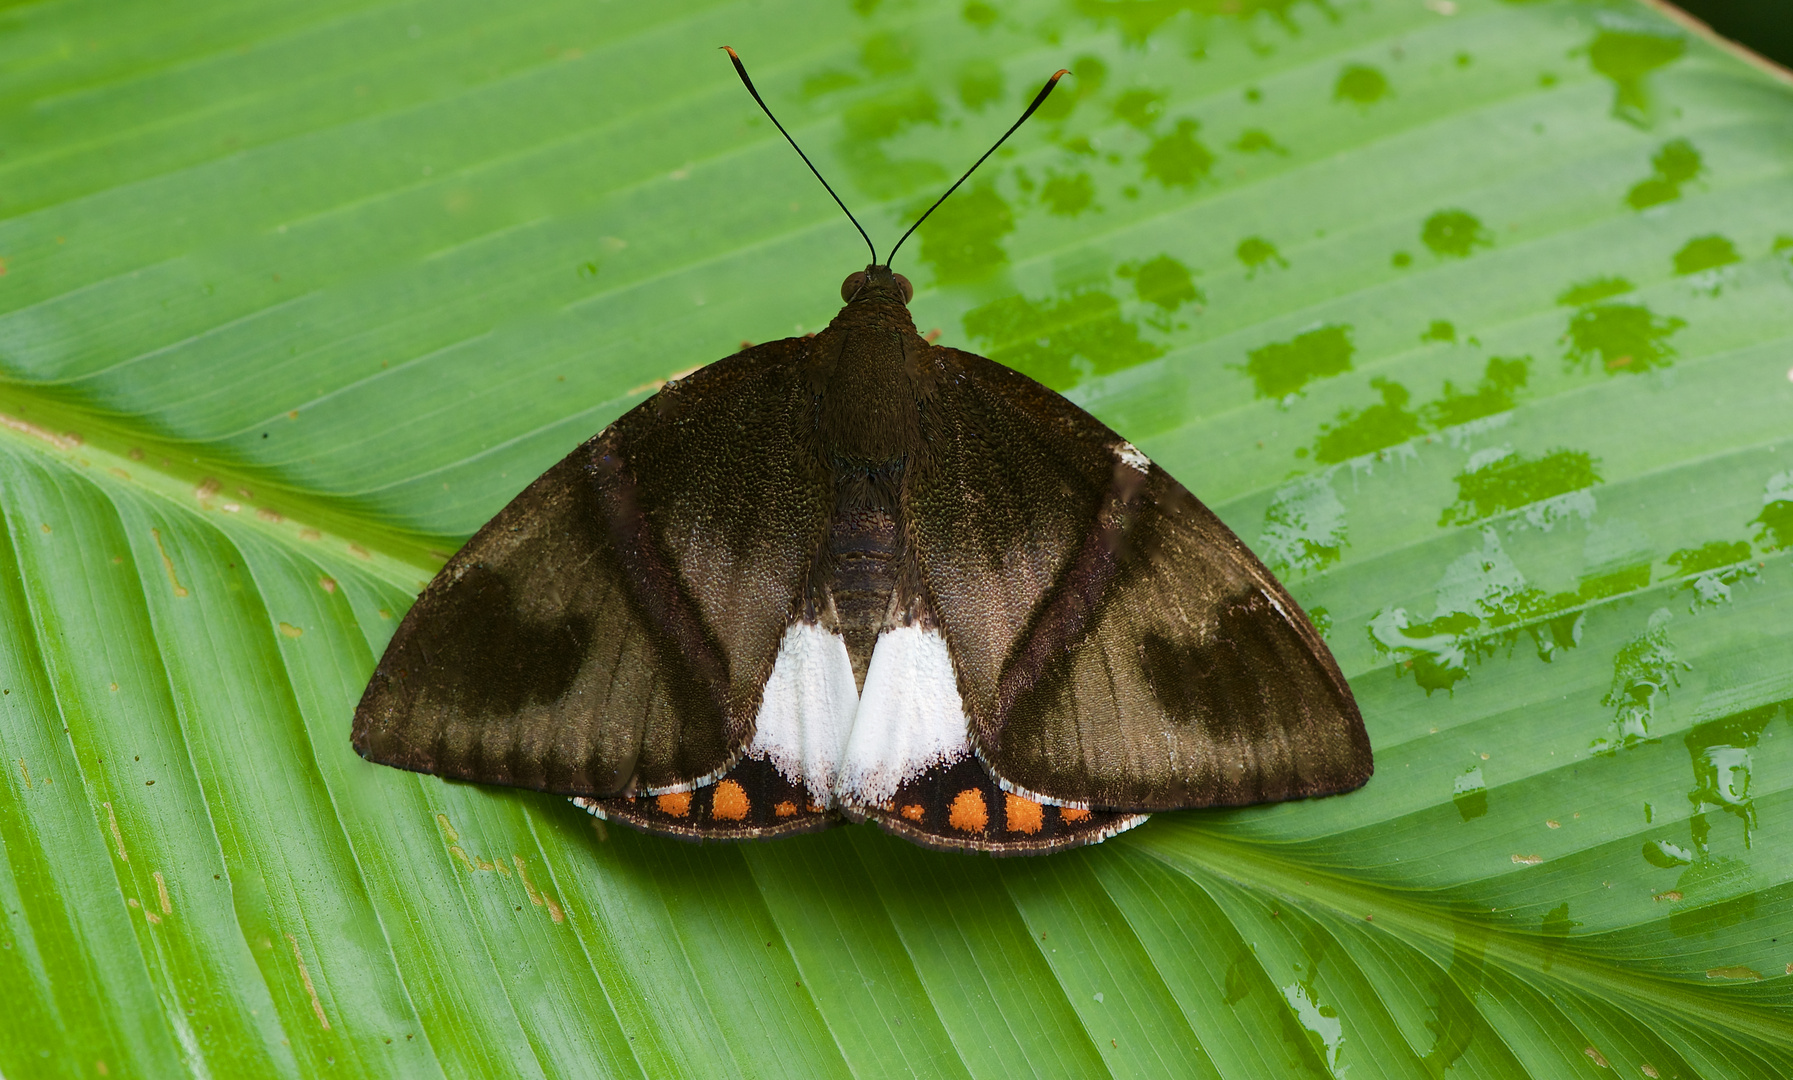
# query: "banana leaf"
1473,317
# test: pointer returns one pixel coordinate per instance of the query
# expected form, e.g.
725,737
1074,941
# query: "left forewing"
1158,664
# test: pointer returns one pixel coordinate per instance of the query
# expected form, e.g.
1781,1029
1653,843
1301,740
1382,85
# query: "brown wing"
960,807
1115,643
610,630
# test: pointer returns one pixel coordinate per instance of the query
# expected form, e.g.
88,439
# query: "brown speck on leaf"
269,514
168,564
45,527
1737,972
162,891
305,977
292,414
117,837
1598,1058
1650,1071
135,453
1528,860
245,493
114,687
290,630
328,584
442,555
118,472
230,507
207,488
359,552
1671,896
1553,823
528,886
25,427
310,534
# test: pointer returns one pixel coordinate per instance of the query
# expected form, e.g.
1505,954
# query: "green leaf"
1472,317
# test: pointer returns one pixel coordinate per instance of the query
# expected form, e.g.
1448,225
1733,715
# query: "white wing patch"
910,718
807,710
1130,456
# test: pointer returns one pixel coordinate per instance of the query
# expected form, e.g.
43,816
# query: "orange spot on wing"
968,813
674,803
913,811
730,802
786,808
1073,813
1023,815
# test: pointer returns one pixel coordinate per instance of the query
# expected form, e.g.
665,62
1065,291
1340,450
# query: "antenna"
741,70
1037,101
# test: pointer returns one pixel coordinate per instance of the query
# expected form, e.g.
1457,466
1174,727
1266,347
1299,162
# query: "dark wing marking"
960,807
611,629
1115,643
752,802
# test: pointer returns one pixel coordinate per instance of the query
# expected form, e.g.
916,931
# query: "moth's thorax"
868,384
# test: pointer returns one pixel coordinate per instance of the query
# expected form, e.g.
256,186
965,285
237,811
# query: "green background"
1473,317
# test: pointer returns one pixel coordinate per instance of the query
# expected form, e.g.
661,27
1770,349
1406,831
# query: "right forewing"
610,630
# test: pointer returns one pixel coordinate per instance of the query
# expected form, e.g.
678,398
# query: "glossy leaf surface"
1473,317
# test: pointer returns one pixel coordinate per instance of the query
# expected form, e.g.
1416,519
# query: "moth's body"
860,575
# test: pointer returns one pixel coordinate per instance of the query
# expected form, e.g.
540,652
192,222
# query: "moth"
861,576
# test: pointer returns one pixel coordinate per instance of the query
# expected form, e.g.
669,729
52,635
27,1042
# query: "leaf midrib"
1354,900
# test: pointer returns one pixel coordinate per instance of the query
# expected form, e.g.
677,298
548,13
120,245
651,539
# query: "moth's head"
876,283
